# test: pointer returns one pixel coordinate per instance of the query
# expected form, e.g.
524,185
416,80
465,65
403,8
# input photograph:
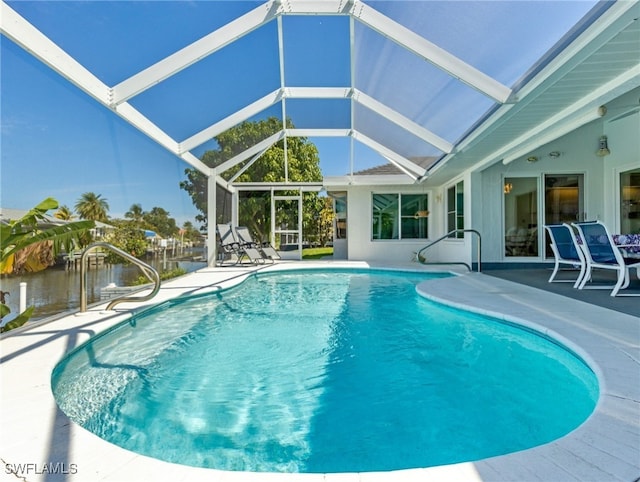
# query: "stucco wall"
361,246
359,216
578,156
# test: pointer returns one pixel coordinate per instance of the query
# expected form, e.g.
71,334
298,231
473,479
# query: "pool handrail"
147,270
422,260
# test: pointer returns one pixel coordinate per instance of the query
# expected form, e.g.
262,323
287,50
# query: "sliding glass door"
521,216
563,201
630,202
563,198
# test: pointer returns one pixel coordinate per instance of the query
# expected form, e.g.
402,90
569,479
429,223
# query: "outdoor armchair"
566,250
602,253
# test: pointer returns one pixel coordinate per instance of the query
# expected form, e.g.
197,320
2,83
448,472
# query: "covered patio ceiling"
430,87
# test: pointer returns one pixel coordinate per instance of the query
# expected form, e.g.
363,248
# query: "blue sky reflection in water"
323,372
56,141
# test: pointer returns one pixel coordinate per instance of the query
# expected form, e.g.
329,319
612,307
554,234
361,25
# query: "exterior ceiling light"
603,147
532,159
554,154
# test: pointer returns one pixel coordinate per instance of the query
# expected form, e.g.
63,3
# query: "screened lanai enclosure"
271,104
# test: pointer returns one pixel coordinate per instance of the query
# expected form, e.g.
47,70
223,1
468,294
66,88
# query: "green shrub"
172,273
128,238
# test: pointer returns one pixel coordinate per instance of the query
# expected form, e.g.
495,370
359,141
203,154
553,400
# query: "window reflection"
400,216
455,209
630,202
521,216
340,199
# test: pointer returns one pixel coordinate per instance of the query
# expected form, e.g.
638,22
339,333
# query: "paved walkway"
605,448
539,278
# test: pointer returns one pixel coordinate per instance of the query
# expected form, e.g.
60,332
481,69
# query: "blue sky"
56,141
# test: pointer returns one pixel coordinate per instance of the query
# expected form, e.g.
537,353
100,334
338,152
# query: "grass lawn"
316,253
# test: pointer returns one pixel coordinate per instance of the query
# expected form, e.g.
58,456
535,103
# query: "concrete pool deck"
41,444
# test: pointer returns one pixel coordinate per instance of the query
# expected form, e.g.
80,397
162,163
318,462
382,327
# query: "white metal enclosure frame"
117,97
614,19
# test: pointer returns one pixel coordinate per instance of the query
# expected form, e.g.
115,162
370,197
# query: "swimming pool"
329,371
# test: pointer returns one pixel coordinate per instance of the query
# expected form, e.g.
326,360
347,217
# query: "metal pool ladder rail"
420,258
147,270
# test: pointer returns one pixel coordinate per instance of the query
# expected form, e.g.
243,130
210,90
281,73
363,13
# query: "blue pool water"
330,371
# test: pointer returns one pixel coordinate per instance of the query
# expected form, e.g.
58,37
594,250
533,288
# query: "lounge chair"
232,248
245,238
601,252
566,250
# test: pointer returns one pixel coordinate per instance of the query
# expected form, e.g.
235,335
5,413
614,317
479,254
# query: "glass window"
521,216
414,214
630,202
563,202
400,216
455,209
385,216
340,203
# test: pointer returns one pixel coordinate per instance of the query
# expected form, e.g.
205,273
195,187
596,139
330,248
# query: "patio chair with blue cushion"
245,238
566,251
233,249
602,253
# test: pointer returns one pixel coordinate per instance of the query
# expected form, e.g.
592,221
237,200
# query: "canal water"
57,289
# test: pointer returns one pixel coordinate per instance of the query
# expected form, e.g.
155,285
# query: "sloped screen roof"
367,81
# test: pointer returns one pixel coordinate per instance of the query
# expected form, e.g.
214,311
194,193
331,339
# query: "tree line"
128,233
254,209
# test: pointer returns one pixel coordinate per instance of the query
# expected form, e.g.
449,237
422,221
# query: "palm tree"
64,213
187,226
135,213
92,206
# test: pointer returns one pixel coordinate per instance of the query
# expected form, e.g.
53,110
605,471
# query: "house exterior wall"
484,193
623,133
359,230
578,156
362,246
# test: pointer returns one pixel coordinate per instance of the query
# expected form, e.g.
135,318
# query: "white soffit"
567,120
618,17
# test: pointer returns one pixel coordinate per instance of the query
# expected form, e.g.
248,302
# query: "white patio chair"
566,251
602,253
